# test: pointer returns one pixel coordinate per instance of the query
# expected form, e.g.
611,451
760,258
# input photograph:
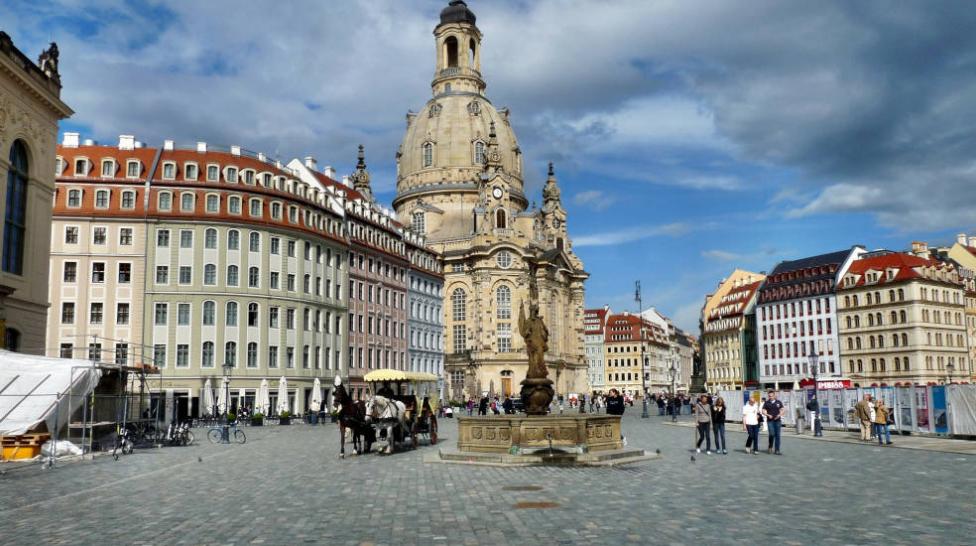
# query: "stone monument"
537,390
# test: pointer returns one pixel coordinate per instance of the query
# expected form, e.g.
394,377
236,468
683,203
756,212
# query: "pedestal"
522,434
536,395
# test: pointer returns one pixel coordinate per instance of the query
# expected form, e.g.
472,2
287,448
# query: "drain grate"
522,488
543,504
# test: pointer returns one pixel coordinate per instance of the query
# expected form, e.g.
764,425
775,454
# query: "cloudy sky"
690,138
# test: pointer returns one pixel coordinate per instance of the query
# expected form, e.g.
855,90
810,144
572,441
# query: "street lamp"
225,431
673,374
949,368
640,317
817,425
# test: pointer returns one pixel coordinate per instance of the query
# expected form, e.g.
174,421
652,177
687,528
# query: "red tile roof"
734,302
906,266
593,327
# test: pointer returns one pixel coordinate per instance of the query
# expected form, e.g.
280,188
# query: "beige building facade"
30,108
901,321
460,183
723,337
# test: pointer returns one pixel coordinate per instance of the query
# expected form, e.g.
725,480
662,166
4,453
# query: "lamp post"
673,374
817,425
225,430
949,370
640,318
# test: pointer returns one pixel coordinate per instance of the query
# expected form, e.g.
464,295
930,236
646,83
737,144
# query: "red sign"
826,384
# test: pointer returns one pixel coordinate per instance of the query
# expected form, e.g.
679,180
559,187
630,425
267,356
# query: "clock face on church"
497,193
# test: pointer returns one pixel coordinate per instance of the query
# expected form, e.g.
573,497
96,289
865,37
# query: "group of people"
710,419
670,404
875,419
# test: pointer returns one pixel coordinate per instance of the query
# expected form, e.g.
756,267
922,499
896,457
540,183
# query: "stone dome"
455,125
457,12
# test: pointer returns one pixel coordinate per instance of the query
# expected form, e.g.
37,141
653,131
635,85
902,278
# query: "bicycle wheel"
239,436
214,436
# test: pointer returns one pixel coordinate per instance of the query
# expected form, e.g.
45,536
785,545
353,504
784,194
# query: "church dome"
448,141
457,12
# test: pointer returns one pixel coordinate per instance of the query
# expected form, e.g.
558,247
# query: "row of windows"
376,266
384,296
796,369
425,312
170,169
799,349
425,340
312,320
788,310
801,328
383,327
370,358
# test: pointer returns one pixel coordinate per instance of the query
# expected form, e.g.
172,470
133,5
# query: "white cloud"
595,199
630,235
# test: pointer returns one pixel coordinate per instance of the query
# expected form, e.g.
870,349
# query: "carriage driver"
385,391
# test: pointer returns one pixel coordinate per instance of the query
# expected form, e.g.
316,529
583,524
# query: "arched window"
503,297
877,319
252,355
233,240
894,317
903,316
207,355
428,154
230,353
252,314
15,218
253,277
857,342
210,238
232,274
459,300
231,318
451,51
501,219
901,297
870,318
418,222
894,340
904,340
857,321
210,274
479,153
881,342
254,243
905,363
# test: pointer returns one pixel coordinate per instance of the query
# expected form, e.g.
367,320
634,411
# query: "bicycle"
216,435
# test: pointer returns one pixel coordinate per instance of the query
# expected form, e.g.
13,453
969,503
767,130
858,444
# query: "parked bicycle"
222,434
123,443
178,434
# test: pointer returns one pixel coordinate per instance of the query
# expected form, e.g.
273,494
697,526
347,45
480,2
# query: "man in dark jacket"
615,403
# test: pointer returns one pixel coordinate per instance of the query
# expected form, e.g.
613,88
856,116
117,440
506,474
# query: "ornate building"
30,107
729,333
460,183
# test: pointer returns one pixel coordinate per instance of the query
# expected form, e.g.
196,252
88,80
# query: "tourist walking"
718,426
470,406
862,410
882,415
615,403
660,405
703,417
814,406
773,412
483,406
750,422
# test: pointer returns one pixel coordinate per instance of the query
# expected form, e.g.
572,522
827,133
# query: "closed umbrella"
207,398
263,399
240,399
222,396
316,402
282,395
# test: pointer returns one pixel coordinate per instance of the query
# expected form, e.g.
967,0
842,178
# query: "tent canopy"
398,375
30,386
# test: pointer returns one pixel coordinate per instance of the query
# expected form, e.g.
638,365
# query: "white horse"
388,414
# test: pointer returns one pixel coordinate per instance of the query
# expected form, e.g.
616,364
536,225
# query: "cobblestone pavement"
286,486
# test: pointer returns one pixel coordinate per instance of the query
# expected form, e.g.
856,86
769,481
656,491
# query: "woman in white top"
750,422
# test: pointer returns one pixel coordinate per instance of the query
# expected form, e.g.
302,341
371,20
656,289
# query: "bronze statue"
537,389
48,62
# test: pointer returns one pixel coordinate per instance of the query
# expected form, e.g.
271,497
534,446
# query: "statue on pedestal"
537,389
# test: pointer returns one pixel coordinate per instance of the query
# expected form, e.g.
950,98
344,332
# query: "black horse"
352,416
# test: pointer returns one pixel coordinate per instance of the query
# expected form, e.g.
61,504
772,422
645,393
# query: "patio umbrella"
283,395
240,398
316,402
263,399
222,396
207,398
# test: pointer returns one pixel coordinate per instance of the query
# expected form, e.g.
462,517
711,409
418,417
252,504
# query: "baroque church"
460,183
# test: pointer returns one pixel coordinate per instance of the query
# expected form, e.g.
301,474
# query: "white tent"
207,398
283,395
315,404
31,385
263,401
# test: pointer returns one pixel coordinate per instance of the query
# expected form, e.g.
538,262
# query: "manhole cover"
524,505
522,488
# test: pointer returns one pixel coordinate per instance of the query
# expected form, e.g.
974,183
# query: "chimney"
89,142
235,150
972,242
167,144
310,162
70,140
127,142
961,239
202,147
345,182
140,144
329,171
261,156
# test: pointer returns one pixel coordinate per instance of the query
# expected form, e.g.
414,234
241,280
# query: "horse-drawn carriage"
403,406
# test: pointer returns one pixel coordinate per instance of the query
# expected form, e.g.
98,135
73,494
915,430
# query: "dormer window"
190,171
213,173
248,176
108,168
169,170
276,211
293,215
186,202
234,204
165,200
267,180
255,207
132,168
231,174
74,198
58,166
213,203
101,199
128,200
81,167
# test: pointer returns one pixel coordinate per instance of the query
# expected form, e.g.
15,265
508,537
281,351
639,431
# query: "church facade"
460,183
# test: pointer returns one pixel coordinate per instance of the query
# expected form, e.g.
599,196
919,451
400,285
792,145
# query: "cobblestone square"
286,486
